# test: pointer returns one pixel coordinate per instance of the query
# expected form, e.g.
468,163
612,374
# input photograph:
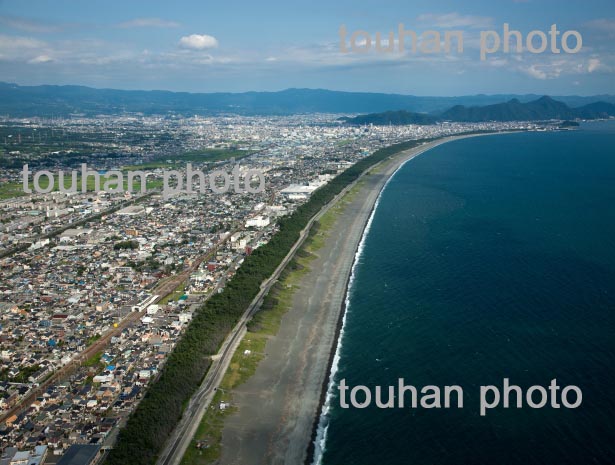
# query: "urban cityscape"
98,287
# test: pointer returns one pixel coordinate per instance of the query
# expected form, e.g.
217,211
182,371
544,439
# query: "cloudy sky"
236,45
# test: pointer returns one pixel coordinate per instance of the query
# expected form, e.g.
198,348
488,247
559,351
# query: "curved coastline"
316,447
279,407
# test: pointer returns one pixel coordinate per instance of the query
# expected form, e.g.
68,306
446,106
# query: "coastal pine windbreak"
161,408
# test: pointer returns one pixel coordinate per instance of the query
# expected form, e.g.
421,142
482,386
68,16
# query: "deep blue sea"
487,258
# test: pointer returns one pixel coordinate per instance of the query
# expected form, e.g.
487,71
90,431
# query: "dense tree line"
161,408
125,245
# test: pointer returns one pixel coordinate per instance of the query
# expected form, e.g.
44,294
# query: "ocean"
485,258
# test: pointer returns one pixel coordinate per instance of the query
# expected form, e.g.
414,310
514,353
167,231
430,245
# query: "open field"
15,189
194,156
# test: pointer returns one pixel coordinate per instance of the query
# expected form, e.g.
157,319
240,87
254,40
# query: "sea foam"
323,422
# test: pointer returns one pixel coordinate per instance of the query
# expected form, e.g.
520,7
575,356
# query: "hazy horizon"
283,89
242,47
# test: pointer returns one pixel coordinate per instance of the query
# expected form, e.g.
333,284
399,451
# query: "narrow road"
186,428
278,406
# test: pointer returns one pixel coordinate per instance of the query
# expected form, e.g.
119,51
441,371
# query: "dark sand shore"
279,405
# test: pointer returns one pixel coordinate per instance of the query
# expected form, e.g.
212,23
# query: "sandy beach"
279,405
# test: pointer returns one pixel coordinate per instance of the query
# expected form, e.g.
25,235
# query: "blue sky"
203,46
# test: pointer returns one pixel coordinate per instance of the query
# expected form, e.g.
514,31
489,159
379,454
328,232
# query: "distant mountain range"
543,108
48,100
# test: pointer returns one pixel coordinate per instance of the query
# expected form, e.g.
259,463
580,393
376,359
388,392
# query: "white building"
258,222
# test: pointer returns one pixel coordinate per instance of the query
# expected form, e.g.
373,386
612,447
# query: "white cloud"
193,53
556,67
497,62
148,22
452,20
40,59
198,42
16,42
535,72
27,25
21,48
593,64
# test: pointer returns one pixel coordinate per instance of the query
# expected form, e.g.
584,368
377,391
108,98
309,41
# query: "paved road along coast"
277,406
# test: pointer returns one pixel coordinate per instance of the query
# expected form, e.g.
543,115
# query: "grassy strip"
176,294
213,155
157,414
199,156
93,360
205,447
161,408
10,190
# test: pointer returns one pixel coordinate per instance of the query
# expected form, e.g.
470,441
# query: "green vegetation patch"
205,447
175,295
10,190
94,360
158,413
207,155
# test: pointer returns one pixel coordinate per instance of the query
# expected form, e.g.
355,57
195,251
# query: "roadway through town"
184,432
